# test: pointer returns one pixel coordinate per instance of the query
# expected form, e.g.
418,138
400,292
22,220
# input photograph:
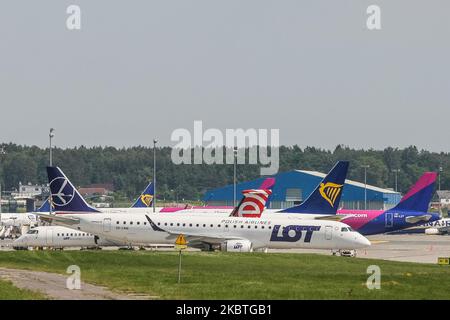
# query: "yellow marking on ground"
378,241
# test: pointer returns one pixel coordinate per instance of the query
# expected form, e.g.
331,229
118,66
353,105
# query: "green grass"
9,292
241,276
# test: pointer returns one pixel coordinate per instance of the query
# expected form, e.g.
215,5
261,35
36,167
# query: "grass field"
239,276
10,292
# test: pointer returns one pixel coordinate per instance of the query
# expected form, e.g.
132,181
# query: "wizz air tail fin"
254,201
419,196
145,200
65,198
327,195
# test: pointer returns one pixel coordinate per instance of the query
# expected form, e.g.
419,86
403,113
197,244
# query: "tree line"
130,169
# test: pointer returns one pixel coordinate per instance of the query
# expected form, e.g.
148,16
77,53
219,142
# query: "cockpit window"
344,229
33,232
350,229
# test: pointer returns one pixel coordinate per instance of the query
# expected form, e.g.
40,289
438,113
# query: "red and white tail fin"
252,204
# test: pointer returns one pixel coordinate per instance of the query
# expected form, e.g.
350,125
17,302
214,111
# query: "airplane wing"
58,218
336,217
416,219
194,237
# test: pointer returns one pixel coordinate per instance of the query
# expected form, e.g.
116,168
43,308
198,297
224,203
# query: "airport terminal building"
293,187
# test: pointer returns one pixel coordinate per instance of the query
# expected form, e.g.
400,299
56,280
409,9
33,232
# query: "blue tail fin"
65,198
419,196
45,206
145,200
326,197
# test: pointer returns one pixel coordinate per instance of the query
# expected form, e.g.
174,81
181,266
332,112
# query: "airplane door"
49,237
107,225
328,232
389,220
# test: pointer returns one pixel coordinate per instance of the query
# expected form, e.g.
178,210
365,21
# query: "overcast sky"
140,69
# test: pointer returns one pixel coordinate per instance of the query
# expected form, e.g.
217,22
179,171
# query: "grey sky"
140,69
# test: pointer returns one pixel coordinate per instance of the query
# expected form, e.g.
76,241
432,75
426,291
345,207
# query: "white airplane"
284,231
60,237
438,227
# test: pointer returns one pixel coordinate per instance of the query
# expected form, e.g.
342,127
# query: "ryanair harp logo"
147,199
330,191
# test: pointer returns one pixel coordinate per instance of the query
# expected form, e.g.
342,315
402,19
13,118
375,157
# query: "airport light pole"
51,135
440,172
2,152
234,175
396,171
154,174
366,166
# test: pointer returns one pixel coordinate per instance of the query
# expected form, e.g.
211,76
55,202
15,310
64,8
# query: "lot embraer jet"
61,237
232,232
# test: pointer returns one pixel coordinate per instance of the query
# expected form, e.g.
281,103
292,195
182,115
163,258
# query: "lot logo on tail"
147,199
330,191
65,192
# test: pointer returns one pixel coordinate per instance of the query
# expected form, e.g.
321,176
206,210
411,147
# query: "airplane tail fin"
65,198
327,195
419,196
45,206
252,204
145,200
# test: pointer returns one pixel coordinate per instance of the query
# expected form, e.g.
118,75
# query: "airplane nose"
363,241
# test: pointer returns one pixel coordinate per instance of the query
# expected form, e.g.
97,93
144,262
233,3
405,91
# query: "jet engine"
237,246
432,231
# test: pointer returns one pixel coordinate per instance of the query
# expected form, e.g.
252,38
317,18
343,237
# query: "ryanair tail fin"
327,195
65,198
145,200
419,196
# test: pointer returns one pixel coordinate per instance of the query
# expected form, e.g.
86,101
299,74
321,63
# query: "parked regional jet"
61,237
441,226
234,232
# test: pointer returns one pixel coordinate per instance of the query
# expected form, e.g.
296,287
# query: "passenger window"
171,224
197,225
184,224
204,225
190,224
131,222
256,227
249,227
138,222
212,226
218,226
262,227
234,226
226,226
117,222
124,222
242,226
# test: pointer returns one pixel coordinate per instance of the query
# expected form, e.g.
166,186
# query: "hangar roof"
351,182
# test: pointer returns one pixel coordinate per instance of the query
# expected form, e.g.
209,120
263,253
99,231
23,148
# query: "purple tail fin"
419,196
